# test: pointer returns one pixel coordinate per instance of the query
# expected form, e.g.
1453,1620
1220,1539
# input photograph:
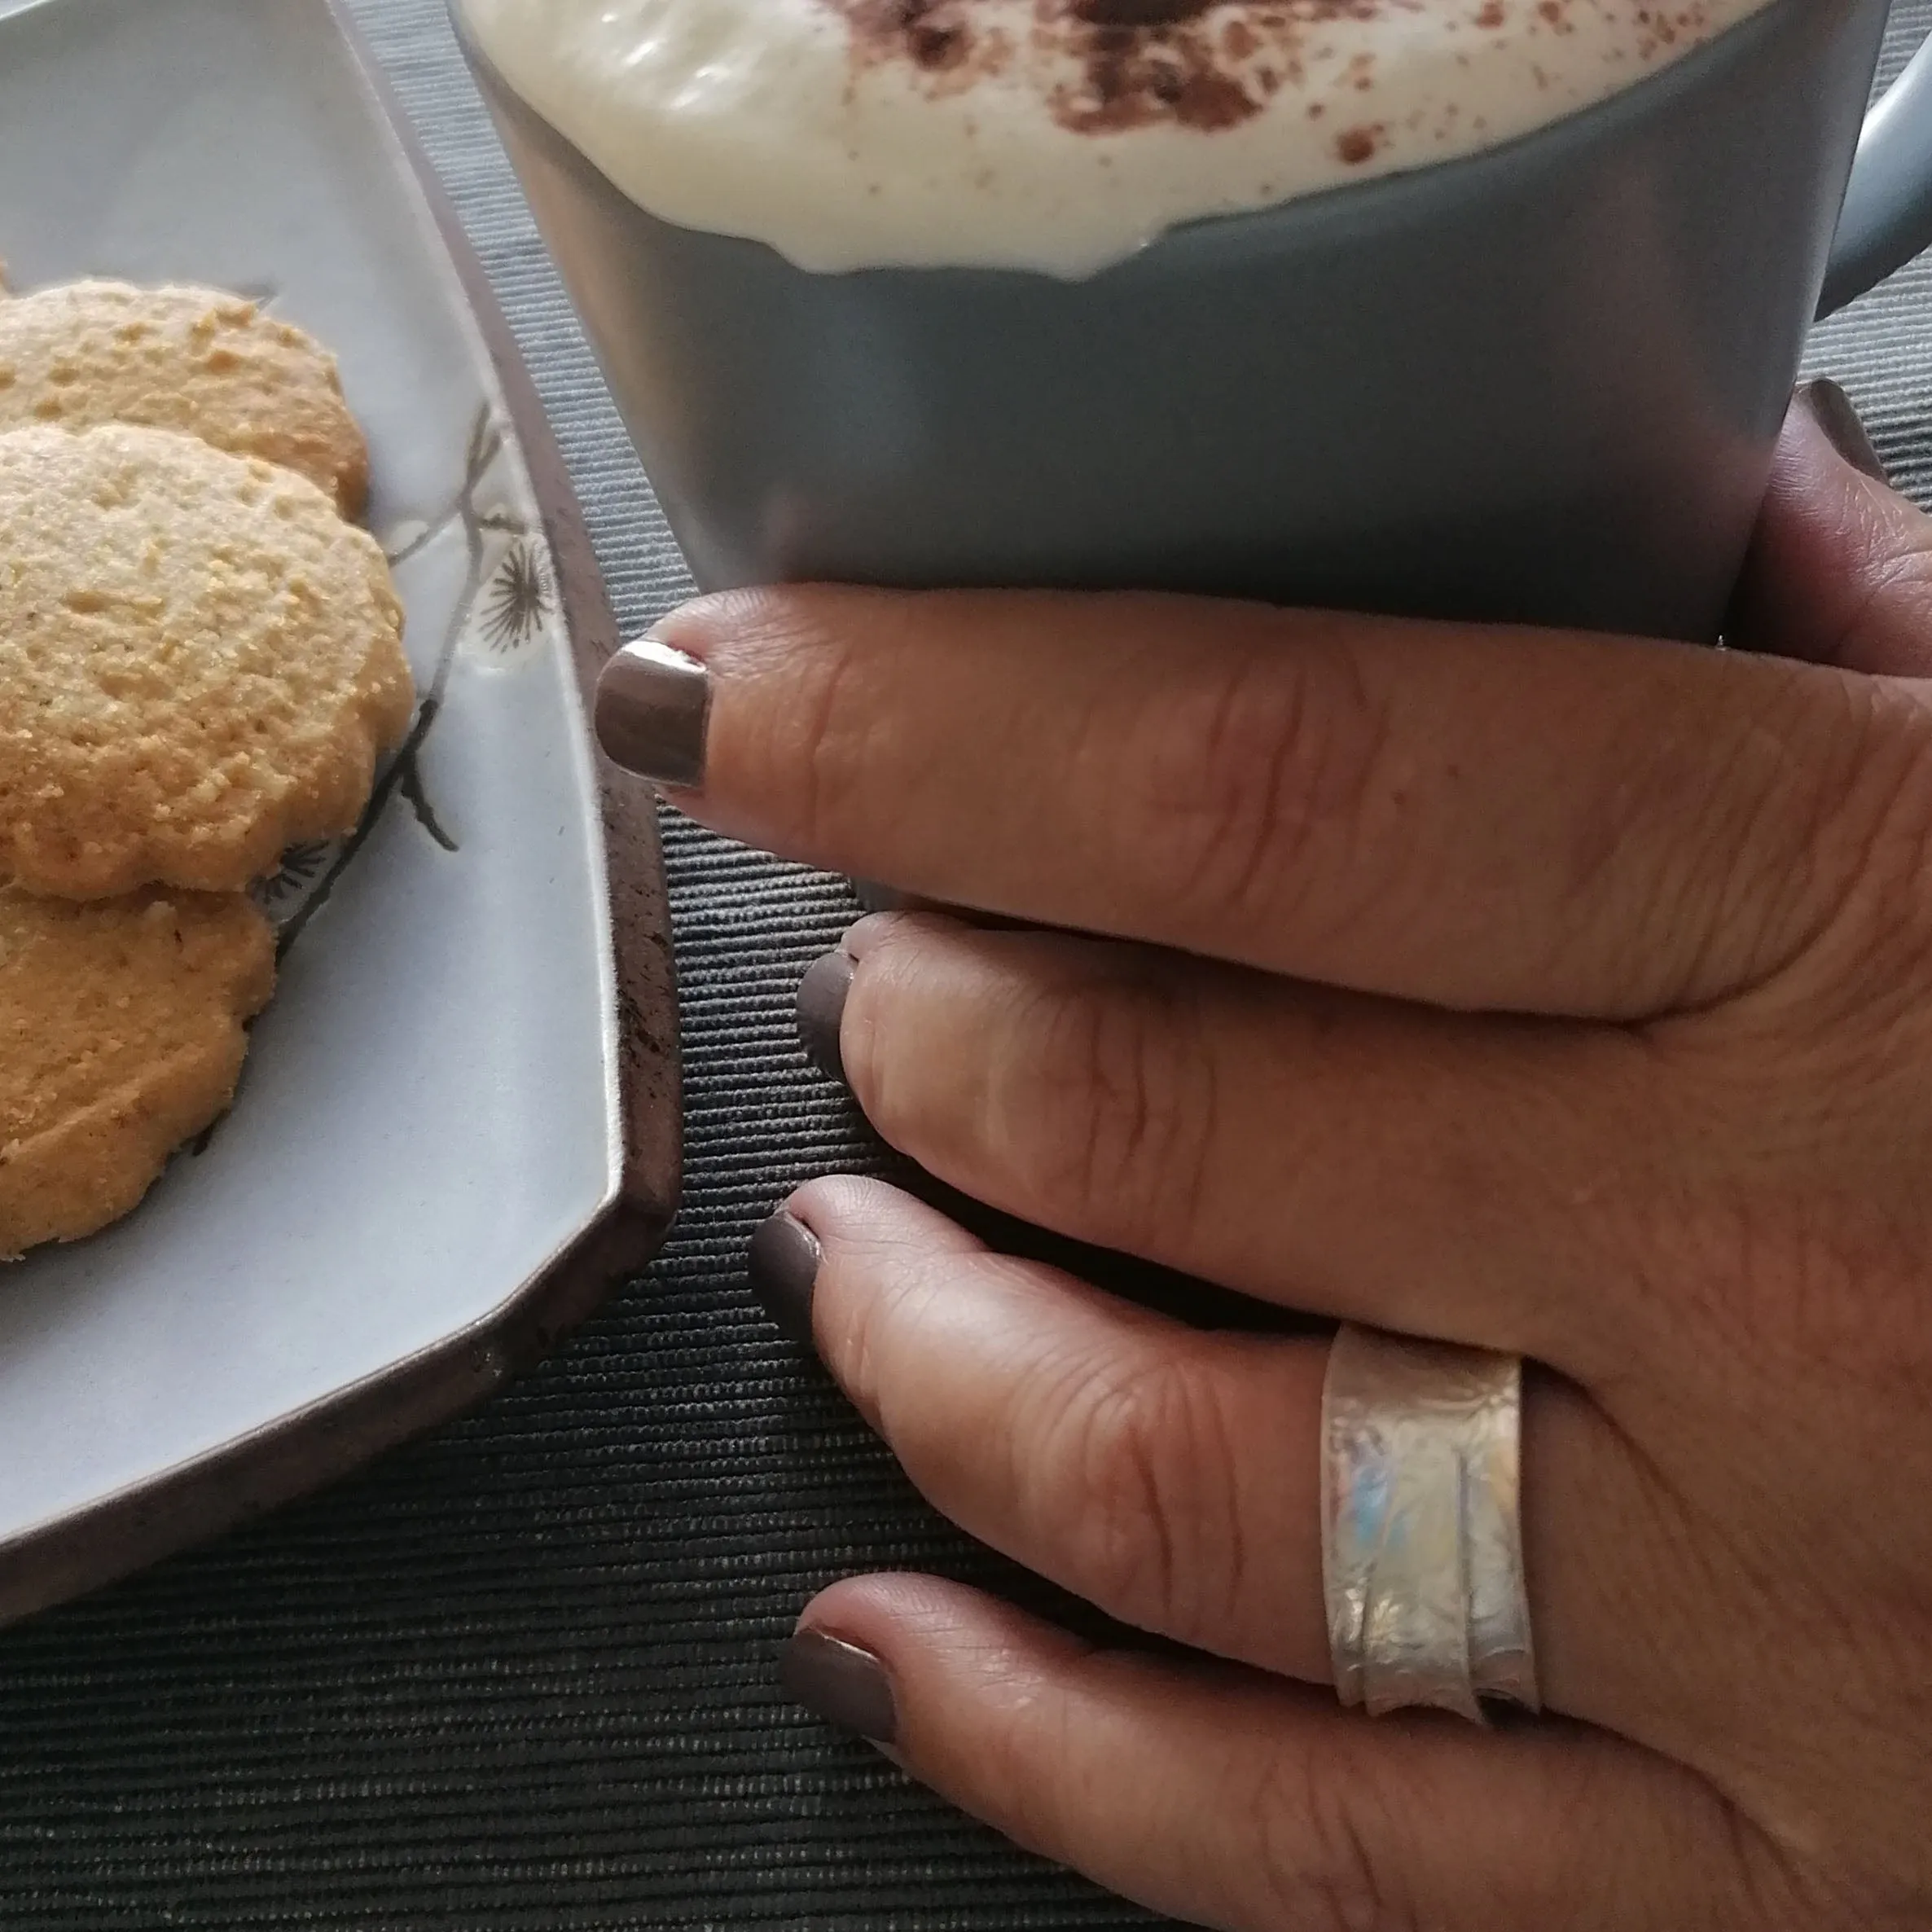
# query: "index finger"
1475,817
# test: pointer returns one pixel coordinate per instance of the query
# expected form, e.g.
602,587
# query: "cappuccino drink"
1478,309
1055,135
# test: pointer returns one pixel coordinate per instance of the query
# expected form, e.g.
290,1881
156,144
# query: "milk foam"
1058,135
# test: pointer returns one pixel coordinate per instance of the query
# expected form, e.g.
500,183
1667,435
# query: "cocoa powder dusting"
1135,62
935,35
1138,13
1202,64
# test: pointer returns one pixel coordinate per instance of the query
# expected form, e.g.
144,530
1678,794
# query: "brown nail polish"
782,1267
821,1010
1833,411
653,709
840,1682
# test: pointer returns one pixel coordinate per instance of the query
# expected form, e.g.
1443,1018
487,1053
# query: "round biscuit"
196,360
199,663
120,1036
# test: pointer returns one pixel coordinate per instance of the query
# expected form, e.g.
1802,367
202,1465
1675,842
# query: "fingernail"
840,1682
822,1008
783,1266
1832,410
653,706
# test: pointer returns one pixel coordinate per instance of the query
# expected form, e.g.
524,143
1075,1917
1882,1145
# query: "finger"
1467,816
1292,1143
1840,571
1171,1476
1236,1800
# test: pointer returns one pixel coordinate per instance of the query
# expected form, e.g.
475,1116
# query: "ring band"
1422,1548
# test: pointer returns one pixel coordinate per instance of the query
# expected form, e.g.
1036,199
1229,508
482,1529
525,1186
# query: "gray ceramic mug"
1540,384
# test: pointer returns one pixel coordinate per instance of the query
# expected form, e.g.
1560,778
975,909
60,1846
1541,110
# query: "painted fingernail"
653,707
821,1009
840,1682
1832,410
783,1266
879,898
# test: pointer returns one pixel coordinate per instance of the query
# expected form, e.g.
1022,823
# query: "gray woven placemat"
518,1675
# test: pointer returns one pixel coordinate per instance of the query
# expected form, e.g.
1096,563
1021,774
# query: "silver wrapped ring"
1422,1546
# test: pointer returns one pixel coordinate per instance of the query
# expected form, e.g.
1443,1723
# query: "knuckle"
1279,761
1716,871
1826,791
1877,822
1149,1459
1836,825
1110,1098
1321,1824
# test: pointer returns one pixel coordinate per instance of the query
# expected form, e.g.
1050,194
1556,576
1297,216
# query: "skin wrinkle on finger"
1899,583
1123,1470
1888,594
1290,806
1127,1094
1317,1823
1830,627
1896,768
842,735
1863,780
1165,1539
1236,779
1789,745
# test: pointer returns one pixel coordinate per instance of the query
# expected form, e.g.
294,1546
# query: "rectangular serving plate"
458,1124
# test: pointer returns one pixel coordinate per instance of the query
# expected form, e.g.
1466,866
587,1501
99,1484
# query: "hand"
1559,995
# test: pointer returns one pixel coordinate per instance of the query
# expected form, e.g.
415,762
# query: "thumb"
1839,569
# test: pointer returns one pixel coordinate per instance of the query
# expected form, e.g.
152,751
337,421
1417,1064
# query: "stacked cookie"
200,660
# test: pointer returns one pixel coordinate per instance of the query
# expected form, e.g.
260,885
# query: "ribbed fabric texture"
521,1674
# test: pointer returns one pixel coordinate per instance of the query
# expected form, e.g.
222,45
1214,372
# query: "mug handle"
1888,207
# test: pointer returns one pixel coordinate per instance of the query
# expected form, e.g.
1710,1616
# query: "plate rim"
190,1502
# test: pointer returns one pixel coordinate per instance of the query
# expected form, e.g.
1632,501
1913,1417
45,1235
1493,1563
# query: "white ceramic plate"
445,1143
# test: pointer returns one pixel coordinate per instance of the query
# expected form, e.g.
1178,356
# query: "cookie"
200,661
194,360
120,1036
